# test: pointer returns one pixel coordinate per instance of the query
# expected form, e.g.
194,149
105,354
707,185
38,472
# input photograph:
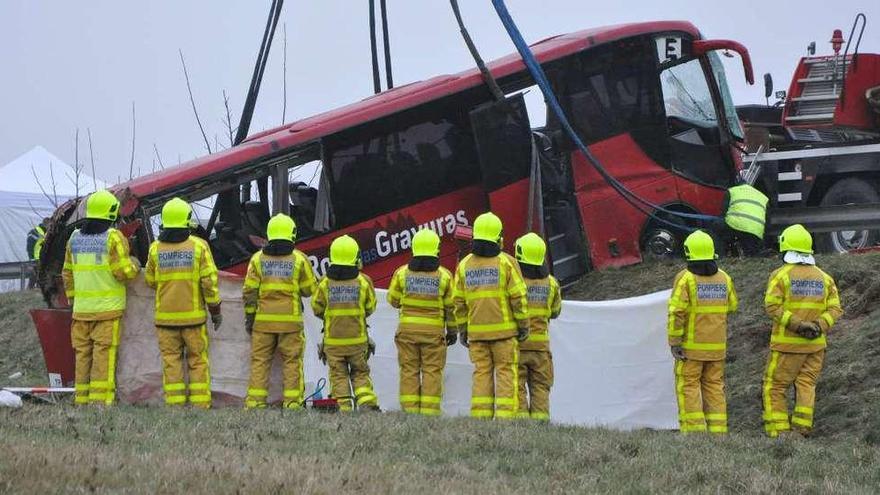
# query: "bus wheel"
660,244
848,192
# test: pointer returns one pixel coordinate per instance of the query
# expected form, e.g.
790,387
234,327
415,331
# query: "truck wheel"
848,192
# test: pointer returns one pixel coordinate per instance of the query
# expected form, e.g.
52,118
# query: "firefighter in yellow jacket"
803,303
181,269
545,303
492,312
422,291
343,300
278,277
96,268
702,296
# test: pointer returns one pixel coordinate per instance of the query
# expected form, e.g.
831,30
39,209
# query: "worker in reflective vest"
181,269
422,292
35,239
96,268
745,214
343,300
492,312
804,304
278,277
702,296
545,303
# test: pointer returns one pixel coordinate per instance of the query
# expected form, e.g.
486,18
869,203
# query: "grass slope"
19,346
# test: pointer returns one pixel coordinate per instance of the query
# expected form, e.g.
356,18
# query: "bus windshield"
729,109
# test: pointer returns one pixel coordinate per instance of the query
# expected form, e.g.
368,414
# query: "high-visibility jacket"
344,306
424,300
36,239
545,303
698,308
96,268
274,288
185,279
747,210
490,297
798,293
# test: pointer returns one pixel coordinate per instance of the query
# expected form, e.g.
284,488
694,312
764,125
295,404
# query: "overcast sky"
82,64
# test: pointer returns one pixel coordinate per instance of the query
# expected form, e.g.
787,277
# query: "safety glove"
216,317
321,354
808,330
677,352
463,336
371,347
817,330
249,319
451,337
522,332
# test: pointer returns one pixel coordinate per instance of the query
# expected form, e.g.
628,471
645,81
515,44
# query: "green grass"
55,448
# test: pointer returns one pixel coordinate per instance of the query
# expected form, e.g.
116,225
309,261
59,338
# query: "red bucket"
53,328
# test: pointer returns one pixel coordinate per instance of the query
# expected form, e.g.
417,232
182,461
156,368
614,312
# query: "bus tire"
846,192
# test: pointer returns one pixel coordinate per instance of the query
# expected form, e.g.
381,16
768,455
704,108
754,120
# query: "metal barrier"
23,271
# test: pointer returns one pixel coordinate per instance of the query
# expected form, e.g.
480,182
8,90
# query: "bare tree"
158,157
284,75
76,165
229,129
133,135
53,199
193,101
92,158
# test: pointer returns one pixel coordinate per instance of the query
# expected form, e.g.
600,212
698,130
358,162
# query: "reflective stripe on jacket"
798,293
96,268
545,303
344,305
38,236
424,300
185,279
747,210
274,288
698,308
490,297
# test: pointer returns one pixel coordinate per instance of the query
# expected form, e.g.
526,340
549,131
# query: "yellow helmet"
488,227
426,242
796,238
530,249
102,205
281,227
699,246
176,214
344,251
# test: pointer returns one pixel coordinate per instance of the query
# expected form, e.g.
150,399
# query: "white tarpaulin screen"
612,364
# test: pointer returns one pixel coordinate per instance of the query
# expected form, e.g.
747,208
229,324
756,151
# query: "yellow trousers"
536,376
174,342
699,387
350,382
95,344
421,373
783,370
495,381
290,347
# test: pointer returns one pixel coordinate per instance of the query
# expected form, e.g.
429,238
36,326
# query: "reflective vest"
185,279
274,288
490,297
95,269
425,302
545,303
698,308
344,305
797,293
747,210
38,245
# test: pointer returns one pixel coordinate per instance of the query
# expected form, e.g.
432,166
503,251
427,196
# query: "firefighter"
745,213
422,291
803,303
278,277
96,268
181,269
702,296
35,239
492,311
345,298
545,303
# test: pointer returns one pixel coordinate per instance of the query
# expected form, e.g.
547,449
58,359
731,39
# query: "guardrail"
22,271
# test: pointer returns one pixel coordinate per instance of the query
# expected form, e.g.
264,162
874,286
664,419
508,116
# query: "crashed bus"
650,100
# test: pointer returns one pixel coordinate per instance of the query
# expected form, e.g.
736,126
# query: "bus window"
730,114
696,140
399,161
309,205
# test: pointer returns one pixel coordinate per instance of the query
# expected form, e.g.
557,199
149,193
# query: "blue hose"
541,80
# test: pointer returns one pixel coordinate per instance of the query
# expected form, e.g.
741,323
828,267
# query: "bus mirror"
768,85
702,47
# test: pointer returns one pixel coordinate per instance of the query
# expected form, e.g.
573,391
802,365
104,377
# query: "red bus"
650,100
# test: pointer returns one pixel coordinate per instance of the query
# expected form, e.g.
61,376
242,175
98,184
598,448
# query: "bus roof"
383,104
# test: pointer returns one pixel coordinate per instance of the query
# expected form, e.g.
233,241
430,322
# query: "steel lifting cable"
550,98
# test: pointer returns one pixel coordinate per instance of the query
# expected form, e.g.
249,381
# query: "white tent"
31,188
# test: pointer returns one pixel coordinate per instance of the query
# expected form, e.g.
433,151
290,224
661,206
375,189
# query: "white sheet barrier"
612,364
